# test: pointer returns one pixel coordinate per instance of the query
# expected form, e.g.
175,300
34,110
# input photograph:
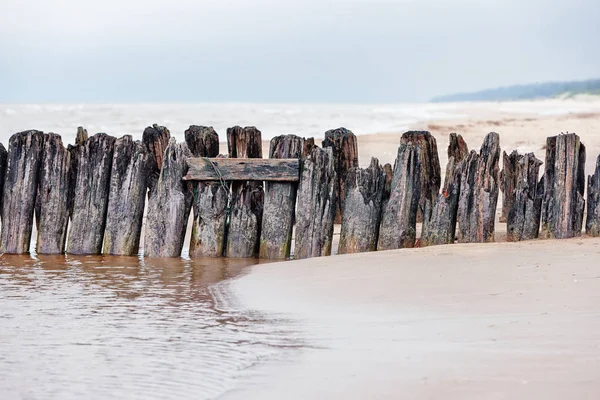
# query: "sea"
308,120
131,328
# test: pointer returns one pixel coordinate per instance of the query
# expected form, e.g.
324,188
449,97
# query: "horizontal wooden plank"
243,169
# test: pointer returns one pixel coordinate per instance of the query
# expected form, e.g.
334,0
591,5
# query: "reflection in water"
119,327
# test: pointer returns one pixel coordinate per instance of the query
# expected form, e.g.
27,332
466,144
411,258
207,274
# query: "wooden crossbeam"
243,169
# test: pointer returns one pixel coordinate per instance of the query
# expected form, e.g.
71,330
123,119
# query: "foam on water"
271,119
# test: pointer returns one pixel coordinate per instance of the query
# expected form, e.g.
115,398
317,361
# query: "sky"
357,51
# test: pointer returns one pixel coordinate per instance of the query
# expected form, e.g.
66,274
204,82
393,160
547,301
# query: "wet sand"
468,321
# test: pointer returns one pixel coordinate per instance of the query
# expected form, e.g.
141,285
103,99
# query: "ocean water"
272,119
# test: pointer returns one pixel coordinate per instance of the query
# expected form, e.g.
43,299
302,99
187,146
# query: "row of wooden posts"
90,197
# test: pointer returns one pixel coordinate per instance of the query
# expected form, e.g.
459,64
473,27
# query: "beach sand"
461,321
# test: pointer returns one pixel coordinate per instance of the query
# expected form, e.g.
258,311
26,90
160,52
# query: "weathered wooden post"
508,181
127,197
3,159
243,235
592,224
362,209
80,139
280,202
441,227
479,192
564,185
92,182
169,205
315,205
523,218
20,190
52,202
210,198
156,139
345,156
429,163
399,221
309,144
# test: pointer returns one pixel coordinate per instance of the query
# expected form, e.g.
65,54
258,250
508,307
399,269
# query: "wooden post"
592,224
457,148
80,139
156,139
523,218
441,227
20,190
387,187
92,183
564,185
345,156
429,163
3,159
280,202
479,192
52,202
315,205
169,206
309,144
127,197
399,222
210,198
243,235
362,209
508,181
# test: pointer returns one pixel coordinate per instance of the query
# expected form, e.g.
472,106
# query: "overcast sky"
288,50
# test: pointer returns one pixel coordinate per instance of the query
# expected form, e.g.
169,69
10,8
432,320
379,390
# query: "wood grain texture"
248,169
126,197
508,181
345,156
592,223
399,221
564,184
315,209
523,218
280,201
20,190
479,188
243,234
169,205
90,203
52,202
362,209
211,199
441,226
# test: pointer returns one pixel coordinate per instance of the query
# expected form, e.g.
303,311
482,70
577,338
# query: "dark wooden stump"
564,185
90,203
508,181
82,136
362,209
592,224
280,203
20,190
523,219
3,159
388,170
429,163
441,226
243,235
479,186
399,221
80,139
457,148
156,139
169,205
52,202
127,197
315,205
309,144
345,156
210,198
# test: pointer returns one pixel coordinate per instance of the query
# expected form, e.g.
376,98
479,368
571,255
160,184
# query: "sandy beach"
462,321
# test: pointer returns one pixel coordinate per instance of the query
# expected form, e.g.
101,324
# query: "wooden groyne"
91,197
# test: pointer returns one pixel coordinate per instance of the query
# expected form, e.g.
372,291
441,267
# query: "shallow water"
122,327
